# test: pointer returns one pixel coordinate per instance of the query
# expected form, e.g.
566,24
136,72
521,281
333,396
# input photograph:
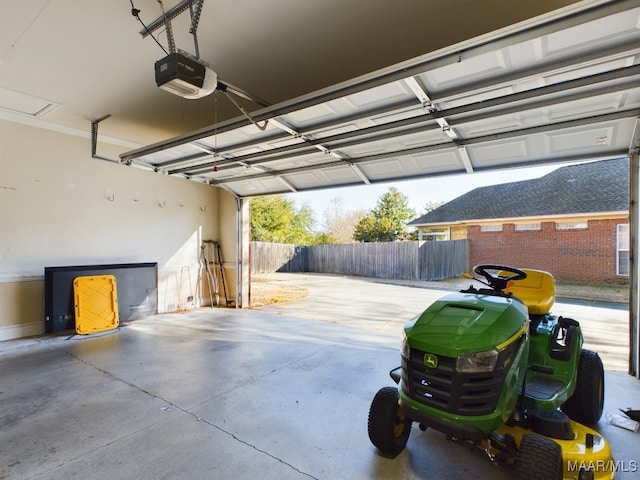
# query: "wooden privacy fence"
440,260
278,257
378,260
400,260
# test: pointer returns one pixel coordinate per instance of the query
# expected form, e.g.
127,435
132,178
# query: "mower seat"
537,291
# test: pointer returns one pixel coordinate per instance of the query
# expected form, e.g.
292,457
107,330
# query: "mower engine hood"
467,322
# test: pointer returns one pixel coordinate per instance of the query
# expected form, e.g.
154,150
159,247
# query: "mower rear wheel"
539,458
389,428
586,404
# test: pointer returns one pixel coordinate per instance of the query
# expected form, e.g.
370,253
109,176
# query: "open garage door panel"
563,87
559,88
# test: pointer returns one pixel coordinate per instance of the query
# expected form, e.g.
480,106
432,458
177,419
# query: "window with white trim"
526,227
431,234
491,228
622,250
572,225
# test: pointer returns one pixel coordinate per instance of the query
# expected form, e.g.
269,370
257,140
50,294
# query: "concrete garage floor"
277,393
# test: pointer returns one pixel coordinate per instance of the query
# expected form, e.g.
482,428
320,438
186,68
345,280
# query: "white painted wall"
60,207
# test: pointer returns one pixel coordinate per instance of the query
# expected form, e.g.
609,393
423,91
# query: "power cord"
136,13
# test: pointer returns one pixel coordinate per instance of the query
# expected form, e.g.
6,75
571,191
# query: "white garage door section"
561,88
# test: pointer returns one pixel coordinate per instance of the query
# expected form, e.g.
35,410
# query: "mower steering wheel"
498,282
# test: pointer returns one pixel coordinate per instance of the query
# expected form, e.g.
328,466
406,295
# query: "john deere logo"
430,360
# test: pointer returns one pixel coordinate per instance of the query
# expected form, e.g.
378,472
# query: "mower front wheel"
539,458
389,428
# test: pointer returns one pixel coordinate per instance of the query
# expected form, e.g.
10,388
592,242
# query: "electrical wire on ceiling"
136,13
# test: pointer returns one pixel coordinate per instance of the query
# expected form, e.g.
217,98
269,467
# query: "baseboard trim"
13,332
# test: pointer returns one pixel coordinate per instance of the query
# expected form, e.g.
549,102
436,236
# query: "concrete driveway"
277,393
384,306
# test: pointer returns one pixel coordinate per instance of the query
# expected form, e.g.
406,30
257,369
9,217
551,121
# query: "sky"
418,192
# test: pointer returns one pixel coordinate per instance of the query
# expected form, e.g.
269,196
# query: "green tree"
276,219
324,238
387,222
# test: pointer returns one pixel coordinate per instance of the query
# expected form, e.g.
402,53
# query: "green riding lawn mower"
493,368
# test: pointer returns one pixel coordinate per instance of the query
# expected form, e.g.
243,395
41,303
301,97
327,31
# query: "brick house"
572,222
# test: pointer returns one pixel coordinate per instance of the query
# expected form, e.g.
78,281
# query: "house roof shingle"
594,187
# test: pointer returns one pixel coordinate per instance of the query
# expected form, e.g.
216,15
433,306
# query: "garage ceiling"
80,60
564,87
490,95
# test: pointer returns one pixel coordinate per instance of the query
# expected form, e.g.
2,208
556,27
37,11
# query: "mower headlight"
404,348
477,362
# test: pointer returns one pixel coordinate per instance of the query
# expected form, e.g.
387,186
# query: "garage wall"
60,207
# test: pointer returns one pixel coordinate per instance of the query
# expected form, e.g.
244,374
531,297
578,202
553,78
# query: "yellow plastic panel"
96,303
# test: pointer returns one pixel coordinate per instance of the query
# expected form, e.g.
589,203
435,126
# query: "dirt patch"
267,291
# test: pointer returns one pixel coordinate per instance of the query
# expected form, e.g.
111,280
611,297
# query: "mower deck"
588,451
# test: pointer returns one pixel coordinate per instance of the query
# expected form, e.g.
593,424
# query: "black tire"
539,458
389,428
586,404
